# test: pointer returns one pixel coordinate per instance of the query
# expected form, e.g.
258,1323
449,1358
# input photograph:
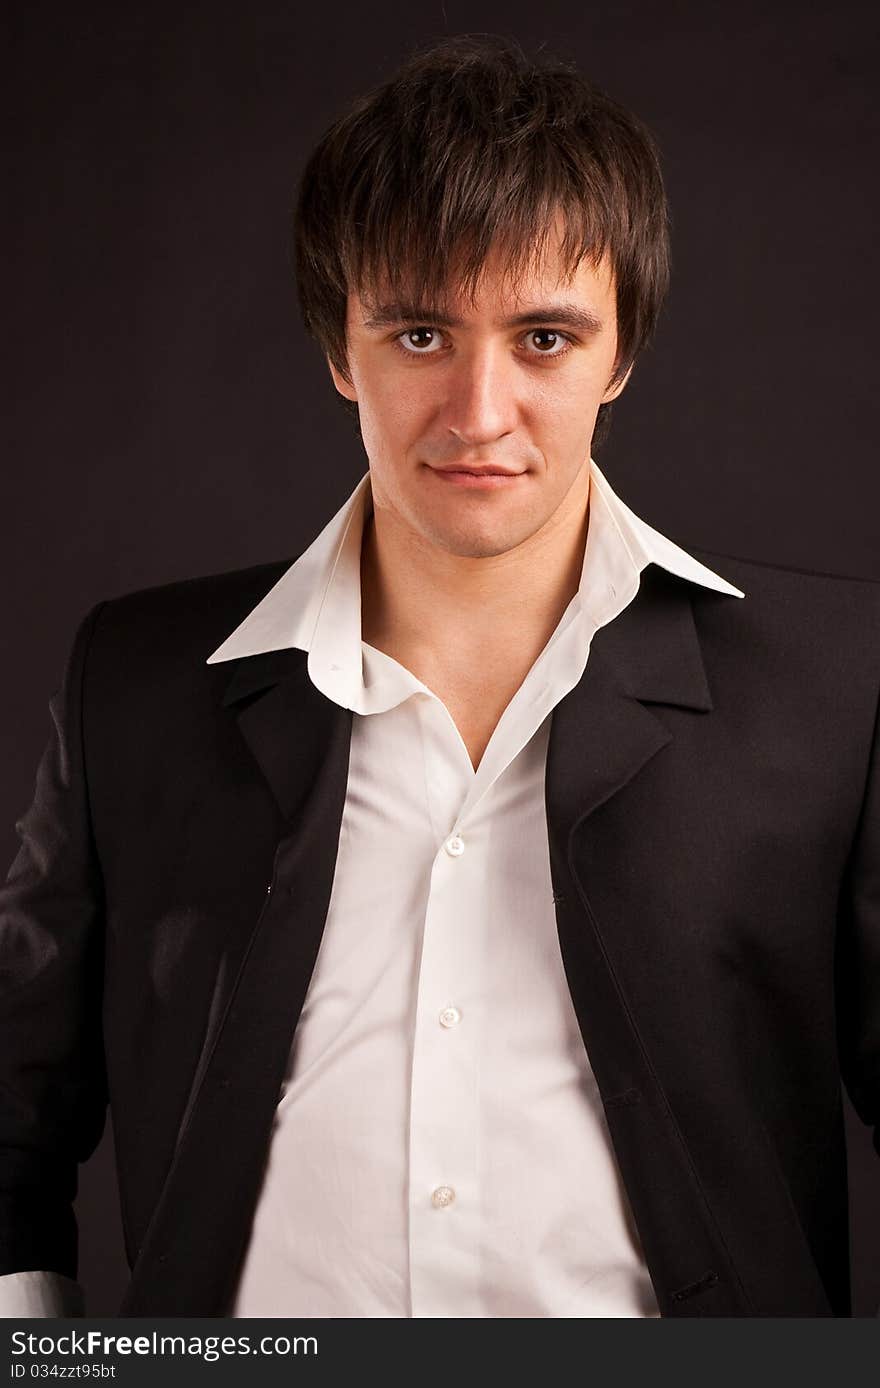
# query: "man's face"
512,382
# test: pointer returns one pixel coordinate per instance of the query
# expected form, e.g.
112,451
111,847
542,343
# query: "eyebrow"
569,315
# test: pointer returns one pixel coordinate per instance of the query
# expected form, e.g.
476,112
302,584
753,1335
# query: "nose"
481,400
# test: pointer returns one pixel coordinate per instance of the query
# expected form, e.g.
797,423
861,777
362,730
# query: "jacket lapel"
286,722
193,1247
602,734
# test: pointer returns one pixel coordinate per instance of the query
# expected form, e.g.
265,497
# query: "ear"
342,384
613,391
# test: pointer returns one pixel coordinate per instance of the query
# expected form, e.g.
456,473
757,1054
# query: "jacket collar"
603,731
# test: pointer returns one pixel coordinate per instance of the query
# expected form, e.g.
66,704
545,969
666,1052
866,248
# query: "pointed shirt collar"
315,605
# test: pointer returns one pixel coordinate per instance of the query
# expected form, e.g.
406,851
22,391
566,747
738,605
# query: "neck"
433,610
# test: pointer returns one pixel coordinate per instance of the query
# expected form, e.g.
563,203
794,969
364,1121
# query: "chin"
473,543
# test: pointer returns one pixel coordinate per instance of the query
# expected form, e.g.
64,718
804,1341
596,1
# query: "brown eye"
547,341
420,342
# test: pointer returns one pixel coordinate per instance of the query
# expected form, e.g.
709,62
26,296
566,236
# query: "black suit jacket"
713,803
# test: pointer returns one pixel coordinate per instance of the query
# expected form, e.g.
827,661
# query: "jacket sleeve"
52,1078
858,956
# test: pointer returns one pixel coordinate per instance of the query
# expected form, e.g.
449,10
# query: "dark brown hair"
473,145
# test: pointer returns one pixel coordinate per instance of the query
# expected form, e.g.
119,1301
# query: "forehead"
501,287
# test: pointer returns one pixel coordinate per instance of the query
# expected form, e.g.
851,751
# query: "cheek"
391,415
564,409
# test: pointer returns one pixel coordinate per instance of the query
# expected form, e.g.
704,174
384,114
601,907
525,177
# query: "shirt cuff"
27,1295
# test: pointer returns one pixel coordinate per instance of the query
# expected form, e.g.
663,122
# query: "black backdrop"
167,416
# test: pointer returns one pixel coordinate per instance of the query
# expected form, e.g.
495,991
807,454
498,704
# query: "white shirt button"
442,1196
455,846
450,1017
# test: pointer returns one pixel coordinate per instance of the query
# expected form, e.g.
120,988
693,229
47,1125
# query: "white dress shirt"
440,1148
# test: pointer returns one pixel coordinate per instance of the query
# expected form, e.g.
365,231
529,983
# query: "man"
476,917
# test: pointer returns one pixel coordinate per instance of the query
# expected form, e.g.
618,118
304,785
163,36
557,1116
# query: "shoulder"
813,635
811,599
148,649
764,571
189,617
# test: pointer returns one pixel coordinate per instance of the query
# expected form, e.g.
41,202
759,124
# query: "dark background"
167,416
